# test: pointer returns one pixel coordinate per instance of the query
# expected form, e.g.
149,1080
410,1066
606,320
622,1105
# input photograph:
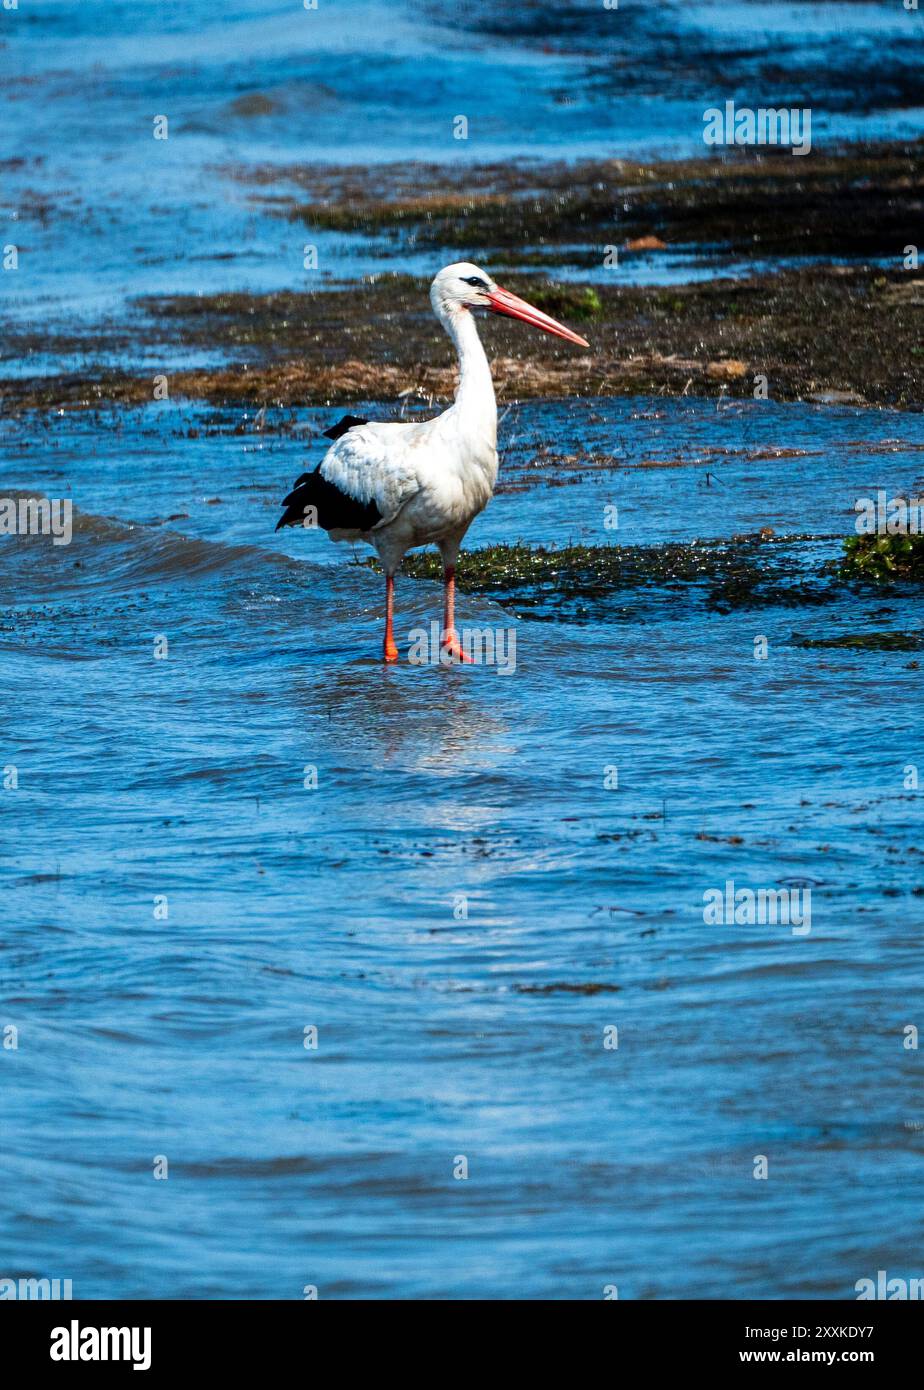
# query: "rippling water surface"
446,1027
461,907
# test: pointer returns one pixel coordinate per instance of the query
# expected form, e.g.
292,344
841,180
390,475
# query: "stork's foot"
389,650
451,649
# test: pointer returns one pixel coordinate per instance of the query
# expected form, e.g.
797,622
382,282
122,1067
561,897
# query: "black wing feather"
347,422
336,510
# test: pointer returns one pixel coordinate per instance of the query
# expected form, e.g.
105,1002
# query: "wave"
106,552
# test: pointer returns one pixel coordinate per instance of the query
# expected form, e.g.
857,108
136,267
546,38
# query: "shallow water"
459,906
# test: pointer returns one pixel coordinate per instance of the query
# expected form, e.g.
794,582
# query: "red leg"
390,650
450,641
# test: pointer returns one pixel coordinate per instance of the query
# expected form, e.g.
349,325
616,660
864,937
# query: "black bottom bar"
238,1339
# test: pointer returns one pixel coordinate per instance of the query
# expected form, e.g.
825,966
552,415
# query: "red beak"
503,302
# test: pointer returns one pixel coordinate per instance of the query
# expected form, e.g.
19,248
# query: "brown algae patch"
588,988
828,329
861,199
865,641
829,333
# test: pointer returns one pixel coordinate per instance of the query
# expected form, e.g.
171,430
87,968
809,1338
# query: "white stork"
395,485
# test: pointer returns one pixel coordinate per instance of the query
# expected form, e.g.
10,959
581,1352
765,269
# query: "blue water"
335,907
460,906
104,212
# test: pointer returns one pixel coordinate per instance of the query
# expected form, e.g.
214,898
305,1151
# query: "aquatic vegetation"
744,571
822,333
857,200
883,557
836,334
568,301
865,641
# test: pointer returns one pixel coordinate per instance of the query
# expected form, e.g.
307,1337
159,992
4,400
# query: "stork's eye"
475,280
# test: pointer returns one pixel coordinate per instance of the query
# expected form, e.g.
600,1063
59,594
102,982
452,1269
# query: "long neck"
475,392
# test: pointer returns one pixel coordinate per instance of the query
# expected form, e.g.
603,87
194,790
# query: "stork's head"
463,286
